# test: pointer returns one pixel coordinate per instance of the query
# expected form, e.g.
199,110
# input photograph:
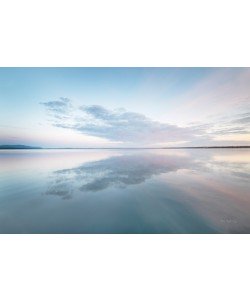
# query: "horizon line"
25,147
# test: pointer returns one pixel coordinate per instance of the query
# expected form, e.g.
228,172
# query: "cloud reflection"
133,169
117,171
126,191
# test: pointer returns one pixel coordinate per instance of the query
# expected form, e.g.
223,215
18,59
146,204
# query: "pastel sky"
124,107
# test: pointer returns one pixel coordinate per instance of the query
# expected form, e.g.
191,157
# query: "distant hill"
18,147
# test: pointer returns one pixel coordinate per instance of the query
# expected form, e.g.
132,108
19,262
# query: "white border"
124,33
124,267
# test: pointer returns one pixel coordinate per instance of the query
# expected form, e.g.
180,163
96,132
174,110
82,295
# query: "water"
125,191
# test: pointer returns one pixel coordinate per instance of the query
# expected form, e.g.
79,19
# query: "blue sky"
109,107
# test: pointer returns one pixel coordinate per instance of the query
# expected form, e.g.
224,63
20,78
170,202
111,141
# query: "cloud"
243,119
116,125
232,130
120,125
58,108
236,124
128,126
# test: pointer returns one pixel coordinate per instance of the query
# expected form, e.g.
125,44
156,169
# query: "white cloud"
133,128
117,125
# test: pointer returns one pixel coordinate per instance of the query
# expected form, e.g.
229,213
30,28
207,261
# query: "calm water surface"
125,191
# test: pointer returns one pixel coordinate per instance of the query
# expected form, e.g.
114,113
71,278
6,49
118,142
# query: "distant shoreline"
23,147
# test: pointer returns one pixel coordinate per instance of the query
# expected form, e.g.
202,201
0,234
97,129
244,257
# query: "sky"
125,107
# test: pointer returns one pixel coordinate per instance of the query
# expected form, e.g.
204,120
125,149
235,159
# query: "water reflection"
118,171
123,170
123,191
